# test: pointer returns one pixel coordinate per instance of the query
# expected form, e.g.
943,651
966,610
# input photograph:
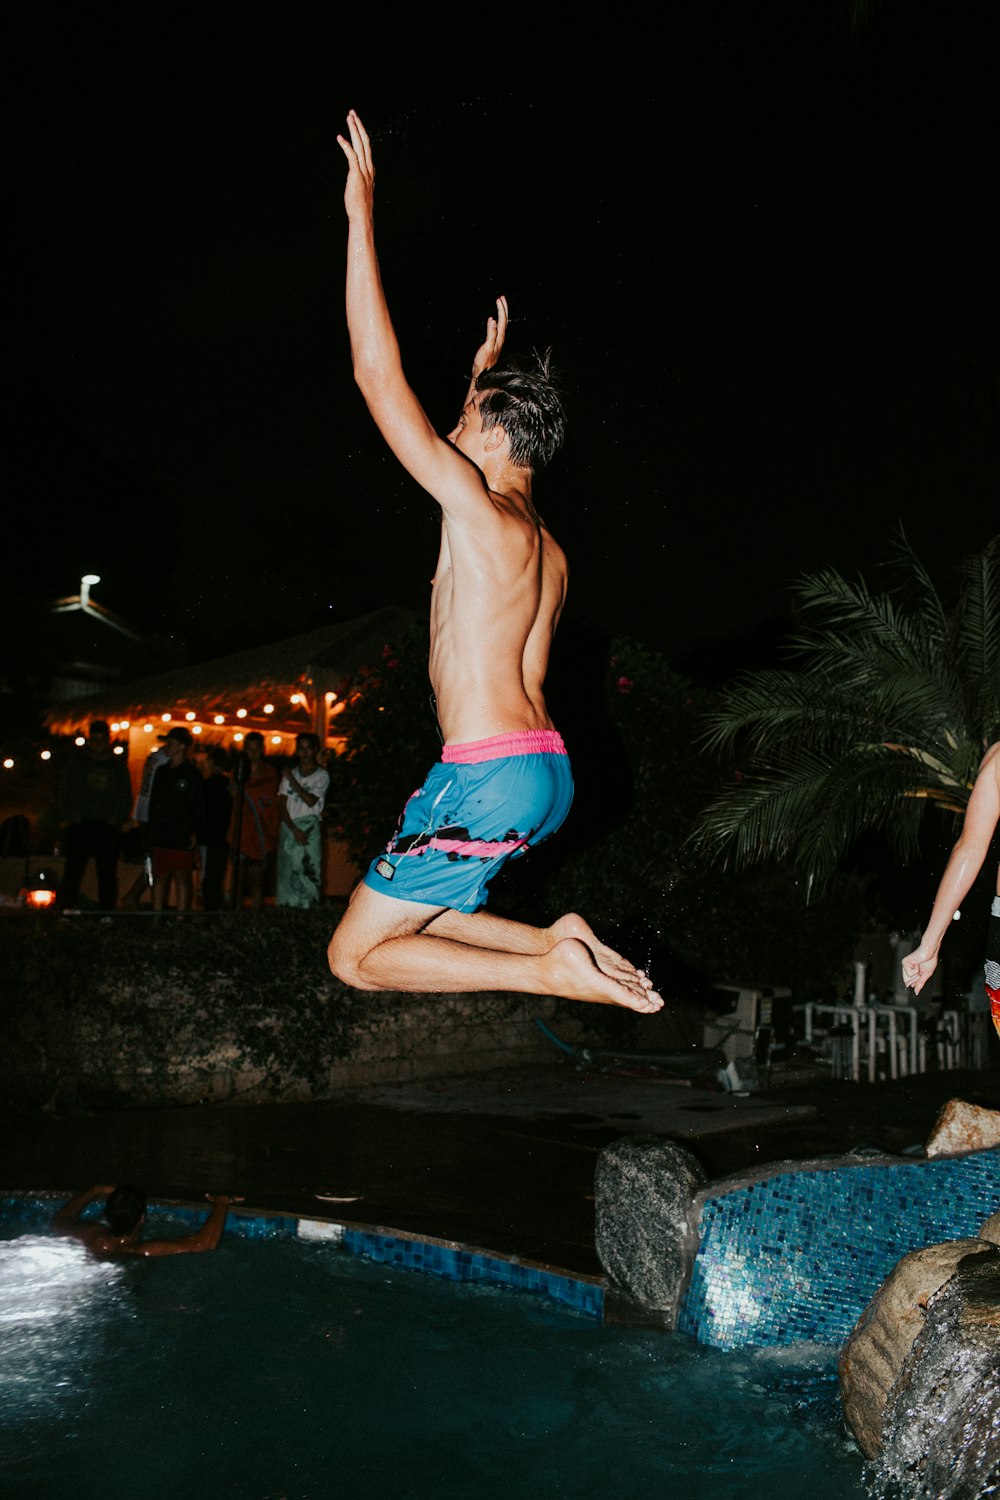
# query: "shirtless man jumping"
503,782
964,864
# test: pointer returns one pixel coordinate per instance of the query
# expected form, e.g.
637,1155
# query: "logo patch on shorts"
385,869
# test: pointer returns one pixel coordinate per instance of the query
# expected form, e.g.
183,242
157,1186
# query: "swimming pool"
282,1367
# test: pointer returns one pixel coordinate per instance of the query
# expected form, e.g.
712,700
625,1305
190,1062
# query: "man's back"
499,589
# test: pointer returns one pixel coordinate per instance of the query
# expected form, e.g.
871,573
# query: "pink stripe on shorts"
499,746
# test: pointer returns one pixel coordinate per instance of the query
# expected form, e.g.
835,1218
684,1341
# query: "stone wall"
238,1009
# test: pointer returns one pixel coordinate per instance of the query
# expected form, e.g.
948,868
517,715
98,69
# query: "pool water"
282,1368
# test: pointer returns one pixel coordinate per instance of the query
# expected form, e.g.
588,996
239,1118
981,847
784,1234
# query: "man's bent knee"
345,963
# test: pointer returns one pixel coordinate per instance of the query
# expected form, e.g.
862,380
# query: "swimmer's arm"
205,1238
67,1219
964,864
454,481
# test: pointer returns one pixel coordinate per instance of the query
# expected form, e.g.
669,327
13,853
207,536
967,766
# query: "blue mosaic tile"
456,1264
842,1231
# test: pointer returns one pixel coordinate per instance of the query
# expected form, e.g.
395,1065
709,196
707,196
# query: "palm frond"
882,720
977,638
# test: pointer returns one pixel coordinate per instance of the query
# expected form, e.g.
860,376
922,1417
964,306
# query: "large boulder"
942,1423
643,1189
882,1340
963,1127
920,1372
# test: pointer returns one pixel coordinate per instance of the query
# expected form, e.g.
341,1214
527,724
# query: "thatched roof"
319,661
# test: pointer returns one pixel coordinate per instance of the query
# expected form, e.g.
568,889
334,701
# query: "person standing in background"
94,798
176,822
135,845
253,829
301,799
213,762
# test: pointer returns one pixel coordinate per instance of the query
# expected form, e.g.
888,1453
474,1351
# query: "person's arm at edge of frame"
205,1238
964,864
67,1218
378,367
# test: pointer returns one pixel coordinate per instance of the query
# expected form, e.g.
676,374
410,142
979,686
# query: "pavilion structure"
281,690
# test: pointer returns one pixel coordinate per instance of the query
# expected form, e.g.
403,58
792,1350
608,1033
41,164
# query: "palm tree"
894,702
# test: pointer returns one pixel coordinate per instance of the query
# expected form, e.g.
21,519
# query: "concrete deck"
503,1161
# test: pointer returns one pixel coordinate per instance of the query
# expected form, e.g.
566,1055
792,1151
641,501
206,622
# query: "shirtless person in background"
503,782
120,1233
964,864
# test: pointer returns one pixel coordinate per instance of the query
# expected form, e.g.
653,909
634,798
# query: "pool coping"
449,1260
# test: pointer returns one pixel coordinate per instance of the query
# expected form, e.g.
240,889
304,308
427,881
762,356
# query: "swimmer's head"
528,406
125,1208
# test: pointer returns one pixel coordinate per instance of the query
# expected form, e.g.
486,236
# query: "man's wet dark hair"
528,406
124,1208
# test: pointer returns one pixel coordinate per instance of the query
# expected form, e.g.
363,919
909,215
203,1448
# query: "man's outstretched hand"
359,192
489,350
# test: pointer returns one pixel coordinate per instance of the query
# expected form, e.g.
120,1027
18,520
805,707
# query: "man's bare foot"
572,972
610,962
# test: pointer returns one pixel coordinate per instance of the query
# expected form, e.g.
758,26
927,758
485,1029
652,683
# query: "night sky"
762,249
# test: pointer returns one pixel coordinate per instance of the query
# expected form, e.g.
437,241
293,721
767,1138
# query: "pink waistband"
499,746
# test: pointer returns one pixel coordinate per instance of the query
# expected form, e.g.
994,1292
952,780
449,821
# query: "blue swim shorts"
482,804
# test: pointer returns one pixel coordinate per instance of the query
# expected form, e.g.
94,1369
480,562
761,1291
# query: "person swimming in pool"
124,1216
414,922
964,864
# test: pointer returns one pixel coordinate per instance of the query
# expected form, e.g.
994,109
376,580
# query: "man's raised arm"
205,1238
378,365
